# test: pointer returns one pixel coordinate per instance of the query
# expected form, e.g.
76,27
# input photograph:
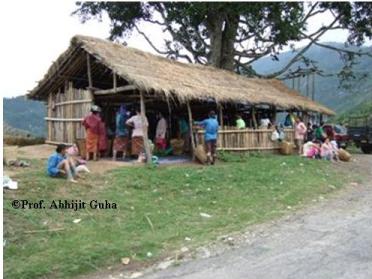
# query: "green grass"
235,194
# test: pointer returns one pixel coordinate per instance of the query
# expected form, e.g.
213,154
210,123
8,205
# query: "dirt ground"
43,151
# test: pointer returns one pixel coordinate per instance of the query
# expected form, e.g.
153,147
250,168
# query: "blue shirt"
121,129
53,162
211,128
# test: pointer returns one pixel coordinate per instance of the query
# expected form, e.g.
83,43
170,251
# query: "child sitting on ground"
60,165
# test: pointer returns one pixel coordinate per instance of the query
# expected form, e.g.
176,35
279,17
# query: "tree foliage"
233,35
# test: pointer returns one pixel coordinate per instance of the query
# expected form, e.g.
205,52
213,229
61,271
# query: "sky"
34,33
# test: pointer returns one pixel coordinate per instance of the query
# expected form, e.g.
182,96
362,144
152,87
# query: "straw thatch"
174,79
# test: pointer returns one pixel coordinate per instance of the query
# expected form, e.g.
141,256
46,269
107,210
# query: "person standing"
91,124
210,136
161,130
300,132
240,123
310,132
102,138
137,134
265,122
121,133
319,132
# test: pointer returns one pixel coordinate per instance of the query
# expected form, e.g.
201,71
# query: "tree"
232,36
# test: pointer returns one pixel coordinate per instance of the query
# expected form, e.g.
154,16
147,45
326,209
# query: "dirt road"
332,239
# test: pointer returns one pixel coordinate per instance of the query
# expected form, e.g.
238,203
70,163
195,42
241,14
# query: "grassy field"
157,209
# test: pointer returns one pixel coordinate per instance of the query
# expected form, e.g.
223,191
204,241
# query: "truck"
360,132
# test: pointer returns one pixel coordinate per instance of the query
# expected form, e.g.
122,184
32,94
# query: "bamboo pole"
145,128
114,81
254,117
191,131
89,72
50,109
221,124
169,126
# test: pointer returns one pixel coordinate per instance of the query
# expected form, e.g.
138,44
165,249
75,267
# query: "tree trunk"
214,25
222,30
228,39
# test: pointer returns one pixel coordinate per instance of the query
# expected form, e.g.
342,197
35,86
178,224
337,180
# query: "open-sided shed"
98,71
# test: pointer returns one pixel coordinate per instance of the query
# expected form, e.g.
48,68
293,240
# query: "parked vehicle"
339,133
360,131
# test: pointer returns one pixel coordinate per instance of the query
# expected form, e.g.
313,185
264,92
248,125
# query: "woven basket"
286,148
177,146
81,146
200,154
344,155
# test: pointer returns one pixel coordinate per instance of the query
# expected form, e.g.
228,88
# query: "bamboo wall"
65,114
246,139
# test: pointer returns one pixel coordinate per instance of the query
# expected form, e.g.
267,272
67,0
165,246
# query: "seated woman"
60,165
277,134
312,150
326,151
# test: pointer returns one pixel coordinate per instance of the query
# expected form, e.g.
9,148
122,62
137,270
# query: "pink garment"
326,149
312,152
91,122
300,131
102,141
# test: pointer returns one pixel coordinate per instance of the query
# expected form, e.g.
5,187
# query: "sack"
200,154
177,146
286,148
344,155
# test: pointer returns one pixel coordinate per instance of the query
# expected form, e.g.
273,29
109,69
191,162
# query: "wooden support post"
191,131
254,118
221,124
145,129
50,111
274,114
169,126
221,115
114,81
89,72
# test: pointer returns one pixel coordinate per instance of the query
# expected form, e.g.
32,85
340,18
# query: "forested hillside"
28,115
23,114
327,89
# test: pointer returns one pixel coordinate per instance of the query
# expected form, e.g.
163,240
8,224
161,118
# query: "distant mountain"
25,115
327,90
10,131
28,115
363,109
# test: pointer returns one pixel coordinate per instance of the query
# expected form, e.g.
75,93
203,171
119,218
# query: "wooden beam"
72,102
89,71
115,90
57,142
191,131
145,129
64,119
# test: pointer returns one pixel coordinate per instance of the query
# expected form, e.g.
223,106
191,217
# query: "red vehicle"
338,132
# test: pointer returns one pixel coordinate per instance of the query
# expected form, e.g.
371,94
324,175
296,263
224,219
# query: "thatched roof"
183,81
